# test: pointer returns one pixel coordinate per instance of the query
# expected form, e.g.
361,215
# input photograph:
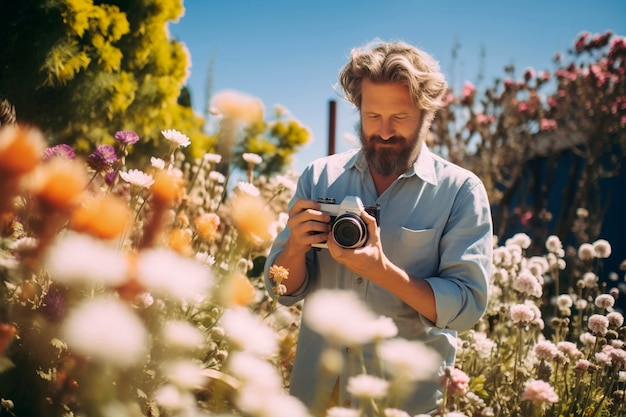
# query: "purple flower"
53,305
62,150
102,158
126,137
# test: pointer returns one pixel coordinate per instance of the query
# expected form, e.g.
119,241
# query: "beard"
393,156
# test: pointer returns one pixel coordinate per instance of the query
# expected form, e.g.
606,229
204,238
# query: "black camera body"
346,225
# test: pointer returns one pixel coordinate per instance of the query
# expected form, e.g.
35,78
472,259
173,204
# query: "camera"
346,225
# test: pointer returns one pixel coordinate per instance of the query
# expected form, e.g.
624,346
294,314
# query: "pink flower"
598,324
468,92
455,380
539,391
547,124
521,313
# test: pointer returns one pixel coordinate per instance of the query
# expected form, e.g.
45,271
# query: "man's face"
390,127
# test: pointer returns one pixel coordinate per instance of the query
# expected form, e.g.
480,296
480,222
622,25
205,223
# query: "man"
427,261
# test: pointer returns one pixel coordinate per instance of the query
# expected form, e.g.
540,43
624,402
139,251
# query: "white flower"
170,397
602,248
212,158
138,178
184,374
181,333
384,328
342,412
166,272
520,239
394,412
521,313
157,162
217,177
553,244
248,333
368,386
586,251
247,188
340,317
78,258
409,360
176,137
106,330
252,158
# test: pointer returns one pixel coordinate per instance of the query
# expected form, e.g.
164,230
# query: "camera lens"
349,231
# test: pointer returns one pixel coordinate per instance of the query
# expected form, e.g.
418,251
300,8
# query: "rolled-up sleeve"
461,287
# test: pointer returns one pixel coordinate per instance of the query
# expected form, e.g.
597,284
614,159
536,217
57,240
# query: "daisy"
138,178
176,137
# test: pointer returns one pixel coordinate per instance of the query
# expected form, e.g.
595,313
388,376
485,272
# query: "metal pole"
332,123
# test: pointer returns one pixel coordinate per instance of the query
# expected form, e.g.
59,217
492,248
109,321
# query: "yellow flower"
278,273
59,182
180,241
167,187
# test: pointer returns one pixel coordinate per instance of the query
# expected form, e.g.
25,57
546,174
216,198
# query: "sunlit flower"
251,217
553,244
526,283
238,106
604,301
247,188
538,392
546,350
167,187
521,314
237,291
409,360
105,217
248,332
20,149
78,258
126,137
212,158
616,319
164,271
342,412
102,158
106,330
184,374
138,178
455,381
394,412
598,324
157,162
182,334
520,239
340,317
564,301
207,225
252,158
176,137
61,151
59,183
367,386
383,328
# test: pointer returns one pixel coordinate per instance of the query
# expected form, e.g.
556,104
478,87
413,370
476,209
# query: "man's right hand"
307,225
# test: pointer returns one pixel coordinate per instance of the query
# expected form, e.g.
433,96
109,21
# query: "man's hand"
367,261
307,225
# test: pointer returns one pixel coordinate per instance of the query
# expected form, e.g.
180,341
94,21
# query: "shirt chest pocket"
416,251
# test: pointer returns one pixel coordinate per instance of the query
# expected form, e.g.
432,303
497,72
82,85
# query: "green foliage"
99,68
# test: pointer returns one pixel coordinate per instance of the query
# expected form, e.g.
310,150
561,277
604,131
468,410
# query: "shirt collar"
424,166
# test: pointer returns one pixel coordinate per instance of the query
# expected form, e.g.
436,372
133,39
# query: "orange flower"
180,241
239,291
104,217
59,182
251,217
7,331
206,226
167,187
20,149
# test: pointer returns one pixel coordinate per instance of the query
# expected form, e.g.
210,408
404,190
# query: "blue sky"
290,52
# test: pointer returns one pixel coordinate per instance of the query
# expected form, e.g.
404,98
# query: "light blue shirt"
435,223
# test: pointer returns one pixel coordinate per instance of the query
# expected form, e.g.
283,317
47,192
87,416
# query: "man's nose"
386,129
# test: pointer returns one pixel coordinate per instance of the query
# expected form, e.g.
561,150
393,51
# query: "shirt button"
359,280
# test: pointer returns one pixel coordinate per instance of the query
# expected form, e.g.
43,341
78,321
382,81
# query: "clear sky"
289,52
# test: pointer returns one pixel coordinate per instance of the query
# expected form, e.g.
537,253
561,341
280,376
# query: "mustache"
393,140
